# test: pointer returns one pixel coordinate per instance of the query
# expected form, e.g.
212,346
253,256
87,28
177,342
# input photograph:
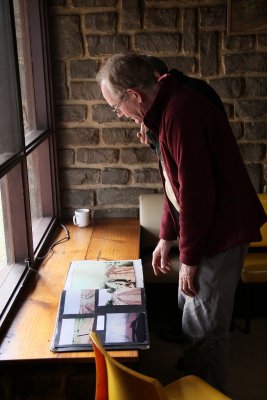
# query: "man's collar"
152,118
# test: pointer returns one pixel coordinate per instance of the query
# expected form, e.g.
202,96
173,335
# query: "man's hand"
142,134
186,280
160,260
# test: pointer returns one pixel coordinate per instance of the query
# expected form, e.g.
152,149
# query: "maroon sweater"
219,207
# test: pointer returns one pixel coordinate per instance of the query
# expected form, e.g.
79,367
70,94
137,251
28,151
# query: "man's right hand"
160,259
186,279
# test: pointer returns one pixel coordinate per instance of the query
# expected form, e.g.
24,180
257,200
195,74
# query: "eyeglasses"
116,109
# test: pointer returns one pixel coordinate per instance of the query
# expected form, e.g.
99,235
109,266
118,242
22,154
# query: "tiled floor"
248,352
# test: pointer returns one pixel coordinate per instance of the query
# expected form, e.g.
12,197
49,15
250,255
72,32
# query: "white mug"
81,217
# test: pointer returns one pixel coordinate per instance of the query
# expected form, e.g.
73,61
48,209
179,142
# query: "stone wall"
102,164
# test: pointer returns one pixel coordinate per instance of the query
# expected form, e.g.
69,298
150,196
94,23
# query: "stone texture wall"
102,164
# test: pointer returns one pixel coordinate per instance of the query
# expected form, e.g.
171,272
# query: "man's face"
128,105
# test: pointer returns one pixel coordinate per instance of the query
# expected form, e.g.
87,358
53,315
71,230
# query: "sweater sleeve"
187,156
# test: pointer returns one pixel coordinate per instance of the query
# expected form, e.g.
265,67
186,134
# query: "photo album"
106,297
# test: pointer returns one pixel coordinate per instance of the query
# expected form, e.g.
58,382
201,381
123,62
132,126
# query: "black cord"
62,240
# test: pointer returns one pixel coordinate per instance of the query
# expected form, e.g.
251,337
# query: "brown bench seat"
150,210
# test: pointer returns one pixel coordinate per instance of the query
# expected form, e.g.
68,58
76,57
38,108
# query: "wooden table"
28,338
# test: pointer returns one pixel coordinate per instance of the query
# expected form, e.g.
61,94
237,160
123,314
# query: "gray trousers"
206,317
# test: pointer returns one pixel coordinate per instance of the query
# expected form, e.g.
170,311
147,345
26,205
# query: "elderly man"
209,201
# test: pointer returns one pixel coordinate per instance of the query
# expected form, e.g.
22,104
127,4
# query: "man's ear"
135,94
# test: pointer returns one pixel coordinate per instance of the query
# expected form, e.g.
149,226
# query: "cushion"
150,210
255,268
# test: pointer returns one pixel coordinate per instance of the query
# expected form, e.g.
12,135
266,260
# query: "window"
28,179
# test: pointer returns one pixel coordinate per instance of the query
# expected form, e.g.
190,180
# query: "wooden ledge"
29,336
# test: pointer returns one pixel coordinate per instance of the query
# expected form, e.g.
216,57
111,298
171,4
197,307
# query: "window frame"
15,169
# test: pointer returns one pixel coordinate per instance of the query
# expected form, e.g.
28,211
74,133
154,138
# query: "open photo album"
106,297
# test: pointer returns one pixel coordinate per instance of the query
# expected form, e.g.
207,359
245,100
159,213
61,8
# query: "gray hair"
157,64
126,71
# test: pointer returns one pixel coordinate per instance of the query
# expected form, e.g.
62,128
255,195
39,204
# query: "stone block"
130,14
229,109
85,91
228,87
77,198
138,155
97,156
185,64
79,176
237,128
78,137
157,42
99,45
66,157
251,109
161,17
120,196
83,69
102,113
189,31
60,80
252,152
255,130
101,22
208,53
115,176
66,39
238,43
120,136
146,175
71,113
213,17
255,174
116,213
256,87
245,62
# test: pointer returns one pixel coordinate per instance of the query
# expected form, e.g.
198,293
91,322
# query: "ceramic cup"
81,217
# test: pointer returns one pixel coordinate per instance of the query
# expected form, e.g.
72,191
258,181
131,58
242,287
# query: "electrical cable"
62,240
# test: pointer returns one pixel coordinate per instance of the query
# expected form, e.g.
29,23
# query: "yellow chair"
115,381
255,265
